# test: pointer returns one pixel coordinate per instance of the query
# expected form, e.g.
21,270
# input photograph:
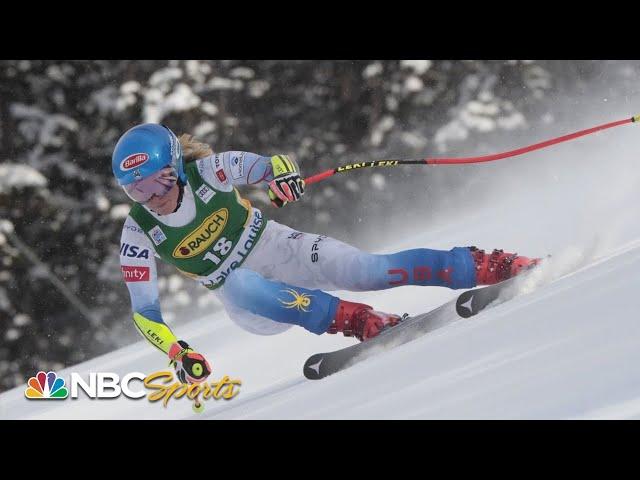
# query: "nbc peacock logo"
46,386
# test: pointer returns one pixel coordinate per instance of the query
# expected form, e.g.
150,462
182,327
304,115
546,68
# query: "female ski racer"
268,276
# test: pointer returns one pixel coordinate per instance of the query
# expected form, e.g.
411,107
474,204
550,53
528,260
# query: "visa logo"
133,251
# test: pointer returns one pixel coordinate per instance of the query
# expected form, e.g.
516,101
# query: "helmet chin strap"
180,195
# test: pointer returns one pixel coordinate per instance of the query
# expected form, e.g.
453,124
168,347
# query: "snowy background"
62,300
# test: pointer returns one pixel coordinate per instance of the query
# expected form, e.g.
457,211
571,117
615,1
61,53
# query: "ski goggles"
156,184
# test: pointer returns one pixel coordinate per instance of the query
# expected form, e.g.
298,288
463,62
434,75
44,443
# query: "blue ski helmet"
144,150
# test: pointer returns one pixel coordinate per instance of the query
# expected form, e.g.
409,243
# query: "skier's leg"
453,269
318,261
256,304
251,322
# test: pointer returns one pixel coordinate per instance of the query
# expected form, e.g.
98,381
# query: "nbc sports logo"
100,385
46,386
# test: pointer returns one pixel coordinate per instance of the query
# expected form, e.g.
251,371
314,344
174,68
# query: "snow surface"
567,347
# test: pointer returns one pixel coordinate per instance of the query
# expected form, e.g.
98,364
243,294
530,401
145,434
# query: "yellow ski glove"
287,185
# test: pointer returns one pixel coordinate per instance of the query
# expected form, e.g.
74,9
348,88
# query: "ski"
473,301
466,305
322,365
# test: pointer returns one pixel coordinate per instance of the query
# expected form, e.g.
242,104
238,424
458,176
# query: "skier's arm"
139,271
280,172
242,168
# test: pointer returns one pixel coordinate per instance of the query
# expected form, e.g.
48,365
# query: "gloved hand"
191,367
287,185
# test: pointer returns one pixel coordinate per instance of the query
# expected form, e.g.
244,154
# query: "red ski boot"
360,320
499,266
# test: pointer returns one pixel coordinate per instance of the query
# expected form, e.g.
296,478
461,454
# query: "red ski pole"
463,160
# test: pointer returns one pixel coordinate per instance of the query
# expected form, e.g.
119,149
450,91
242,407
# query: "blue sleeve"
151,311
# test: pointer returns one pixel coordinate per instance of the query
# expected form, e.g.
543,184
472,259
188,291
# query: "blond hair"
193,149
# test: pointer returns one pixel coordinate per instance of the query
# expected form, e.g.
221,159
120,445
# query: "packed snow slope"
567,347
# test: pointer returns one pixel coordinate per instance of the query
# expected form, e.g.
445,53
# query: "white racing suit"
284,279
